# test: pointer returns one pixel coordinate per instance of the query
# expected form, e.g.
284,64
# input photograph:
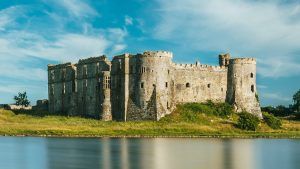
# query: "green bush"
297,116
247,121
272,121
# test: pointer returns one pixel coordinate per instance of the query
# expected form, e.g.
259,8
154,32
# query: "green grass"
189,120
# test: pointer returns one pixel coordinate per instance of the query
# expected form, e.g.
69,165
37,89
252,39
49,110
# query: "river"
148,153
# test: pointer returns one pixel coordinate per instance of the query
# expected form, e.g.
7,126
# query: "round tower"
241,85
105,97
154,82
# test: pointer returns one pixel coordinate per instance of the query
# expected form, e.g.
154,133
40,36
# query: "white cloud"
8,15
77,8
69,47
262,86
119,47
19,43
17,46
128,20
276,96
267,30
4,20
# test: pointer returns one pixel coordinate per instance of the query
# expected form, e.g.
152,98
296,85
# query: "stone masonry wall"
148,86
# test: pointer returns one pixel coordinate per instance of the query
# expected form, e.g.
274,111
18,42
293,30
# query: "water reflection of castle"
152,153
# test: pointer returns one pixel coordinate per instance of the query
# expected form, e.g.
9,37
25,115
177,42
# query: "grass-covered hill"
188,120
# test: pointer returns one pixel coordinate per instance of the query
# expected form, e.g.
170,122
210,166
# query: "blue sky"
34,33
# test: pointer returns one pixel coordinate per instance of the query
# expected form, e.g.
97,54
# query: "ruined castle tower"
148,86
241,87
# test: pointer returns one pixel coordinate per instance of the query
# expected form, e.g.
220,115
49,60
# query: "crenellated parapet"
59,66
157,54
242,61
198,67
93,60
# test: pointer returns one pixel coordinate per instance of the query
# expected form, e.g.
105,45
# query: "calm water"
160,153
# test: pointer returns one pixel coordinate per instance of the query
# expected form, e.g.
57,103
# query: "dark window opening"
166,84
187,85
64,74
64,88
142,85
168,105
84,70
168,71
252,88
73,86
251,75
222,89
52,90
131,69
154,85
208,85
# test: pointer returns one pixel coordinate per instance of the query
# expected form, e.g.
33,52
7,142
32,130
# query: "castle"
148,86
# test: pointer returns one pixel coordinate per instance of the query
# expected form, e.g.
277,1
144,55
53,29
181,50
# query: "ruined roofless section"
148,86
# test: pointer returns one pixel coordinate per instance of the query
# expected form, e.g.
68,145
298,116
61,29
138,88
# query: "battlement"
125,55
158,54
242,61
93,60
197,66
59,66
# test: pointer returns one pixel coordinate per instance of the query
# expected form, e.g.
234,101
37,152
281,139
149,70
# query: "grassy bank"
186,121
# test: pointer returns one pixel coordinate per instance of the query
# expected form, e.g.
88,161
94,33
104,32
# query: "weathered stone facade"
148,86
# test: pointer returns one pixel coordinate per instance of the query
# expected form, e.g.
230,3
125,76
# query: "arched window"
187,85
251,75
142,85
208,85
252,88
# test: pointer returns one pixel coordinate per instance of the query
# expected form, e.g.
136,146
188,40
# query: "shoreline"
159,136
206,126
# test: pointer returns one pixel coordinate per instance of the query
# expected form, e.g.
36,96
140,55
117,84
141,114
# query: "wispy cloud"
267,30
76,8
128,20
276,96
56,43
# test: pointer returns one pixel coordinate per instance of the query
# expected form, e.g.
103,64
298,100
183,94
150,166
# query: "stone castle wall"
148,86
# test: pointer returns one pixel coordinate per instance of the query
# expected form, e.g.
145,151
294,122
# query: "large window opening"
52,89
73,86
64,88
187,85
107,82
251,75
142,85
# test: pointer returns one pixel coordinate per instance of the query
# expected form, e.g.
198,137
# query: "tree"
296,99
22,100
